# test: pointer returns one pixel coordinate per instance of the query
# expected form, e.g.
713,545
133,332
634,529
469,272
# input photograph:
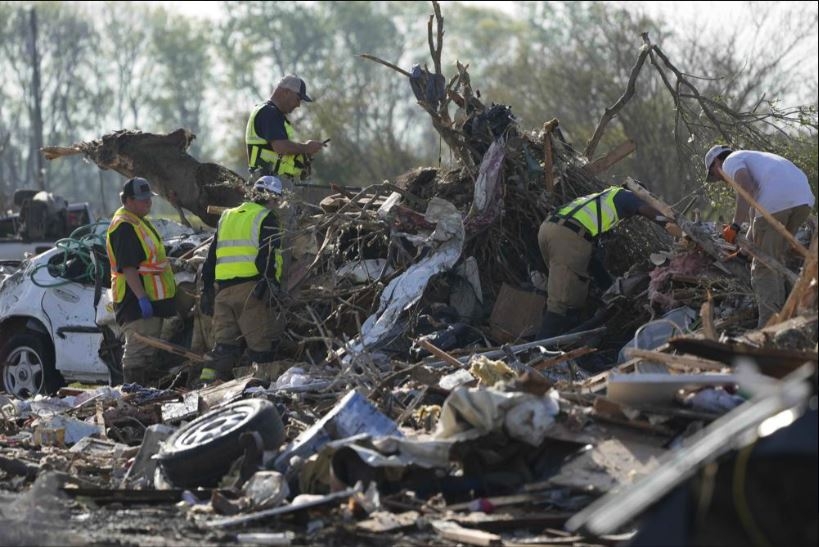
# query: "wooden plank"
771,361
803,294
439,353
677,362
455,532
620,152
169,347
552,361
707,316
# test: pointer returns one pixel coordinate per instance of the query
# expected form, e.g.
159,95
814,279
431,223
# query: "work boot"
137,376
554,324
219,362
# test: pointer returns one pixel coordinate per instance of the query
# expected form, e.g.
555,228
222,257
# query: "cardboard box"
517,314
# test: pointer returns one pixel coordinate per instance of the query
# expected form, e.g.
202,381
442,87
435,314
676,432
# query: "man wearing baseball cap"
271,145
242,272
783,190
272,149
142,282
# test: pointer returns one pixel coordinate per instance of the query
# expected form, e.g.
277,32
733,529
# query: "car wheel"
201,452
27,362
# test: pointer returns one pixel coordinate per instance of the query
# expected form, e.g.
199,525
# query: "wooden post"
548,162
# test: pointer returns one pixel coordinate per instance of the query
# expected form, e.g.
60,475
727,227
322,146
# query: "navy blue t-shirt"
627,203
269,123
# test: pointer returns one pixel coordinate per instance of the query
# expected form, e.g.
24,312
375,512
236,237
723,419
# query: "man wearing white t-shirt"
782,189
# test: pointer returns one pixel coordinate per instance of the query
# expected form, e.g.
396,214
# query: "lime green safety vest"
237,242
155,271
260,153
596,212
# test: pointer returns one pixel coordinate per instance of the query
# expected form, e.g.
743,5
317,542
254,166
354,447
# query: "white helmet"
270,184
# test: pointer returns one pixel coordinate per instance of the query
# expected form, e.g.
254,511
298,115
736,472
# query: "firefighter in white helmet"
241,273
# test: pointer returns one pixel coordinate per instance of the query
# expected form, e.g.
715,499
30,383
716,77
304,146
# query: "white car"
56,320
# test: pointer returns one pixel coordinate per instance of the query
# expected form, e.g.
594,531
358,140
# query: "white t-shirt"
780,184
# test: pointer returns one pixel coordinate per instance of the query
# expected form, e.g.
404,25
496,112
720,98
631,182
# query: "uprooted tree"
163,160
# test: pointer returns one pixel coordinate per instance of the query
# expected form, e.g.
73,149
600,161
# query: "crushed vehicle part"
28,365
201,452
56,317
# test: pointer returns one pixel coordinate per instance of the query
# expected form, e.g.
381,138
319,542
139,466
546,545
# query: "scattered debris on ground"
411,402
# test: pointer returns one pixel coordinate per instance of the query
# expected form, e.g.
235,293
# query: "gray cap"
137,188
296,85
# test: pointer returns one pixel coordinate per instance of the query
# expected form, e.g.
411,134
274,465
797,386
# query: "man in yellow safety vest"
241,273
142,282
567,239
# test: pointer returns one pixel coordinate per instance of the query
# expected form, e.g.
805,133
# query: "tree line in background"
75,71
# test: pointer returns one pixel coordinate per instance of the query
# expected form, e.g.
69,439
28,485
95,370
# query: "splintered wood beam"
696,232
677,362
746,245
707,316
612,158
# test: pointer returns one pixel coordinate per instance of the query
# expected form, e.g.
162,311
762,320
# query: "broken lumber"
169,347
771,361
677,362
457,533
696,232
770,262
439,353
803,296
619,153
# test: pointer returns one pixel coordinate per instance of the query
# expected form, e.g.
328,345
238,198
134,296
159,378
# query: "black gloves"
206,302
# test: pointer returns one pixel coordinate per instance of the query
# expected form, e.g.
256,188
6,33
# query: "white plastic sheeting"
444,245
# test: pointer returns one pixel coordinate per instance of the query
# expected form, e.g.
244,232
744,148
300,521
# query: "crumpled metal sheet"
445,245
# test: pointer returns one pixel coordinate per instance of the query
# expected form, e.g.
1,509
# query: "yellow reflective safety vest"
155,271
595,212
237,242
260,153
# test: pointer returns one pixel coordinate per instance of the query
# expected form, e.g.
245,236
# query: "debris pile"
411,401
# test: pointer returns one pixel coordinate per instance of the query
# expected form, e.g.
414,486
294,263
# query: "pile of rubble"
411,402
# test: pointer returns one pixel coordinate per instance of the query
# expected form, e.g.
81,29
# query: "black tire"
201,452
27,364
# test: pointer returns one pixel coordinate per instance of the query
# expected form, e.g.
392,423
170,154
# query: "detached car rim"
215,425
23,375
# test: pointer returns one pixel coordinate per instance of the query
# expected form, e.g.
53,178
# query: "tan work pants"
137,355
238,314
768,285
567,255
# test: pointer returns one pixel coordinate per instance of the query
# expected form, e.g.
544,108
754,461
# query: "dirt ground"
42,515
